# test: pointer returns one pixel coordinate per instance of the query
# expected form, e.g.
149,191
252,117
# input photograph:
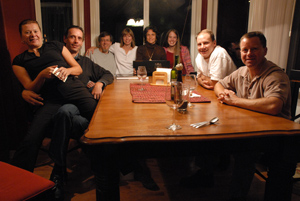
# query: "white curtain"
78,18
274,19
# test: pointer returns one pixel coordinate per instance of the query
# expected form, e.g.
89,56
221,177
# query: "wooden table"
117,120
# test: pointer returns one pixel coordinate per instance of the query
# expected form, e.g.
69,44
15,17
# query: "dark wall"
12,108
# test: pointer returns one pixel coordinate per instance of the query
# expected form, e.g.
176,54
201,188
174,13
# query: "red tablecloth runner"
156,94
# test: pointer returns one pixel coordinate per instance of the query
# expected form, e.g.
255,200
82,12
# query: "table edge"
185,138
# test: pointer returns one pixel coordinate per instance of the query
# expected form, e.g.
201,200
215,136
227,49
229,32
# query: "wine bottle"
179,75
174,70
179,71
174,73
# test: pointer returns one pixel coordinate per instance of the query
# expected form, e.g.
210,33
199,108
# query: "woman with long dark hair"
150,51
173,47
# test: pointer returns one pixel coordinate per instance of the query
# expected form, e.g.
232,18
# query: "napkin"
57,73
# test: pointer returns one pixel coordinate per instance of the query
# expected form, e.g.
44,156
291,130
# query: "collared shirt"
272,82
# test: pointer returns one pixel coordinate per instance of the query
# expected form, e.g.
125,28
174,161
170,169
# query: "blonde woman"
125,52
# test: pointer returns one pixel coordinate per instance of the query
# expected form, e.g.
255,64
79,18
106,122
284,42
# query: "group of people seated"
126,51
63,87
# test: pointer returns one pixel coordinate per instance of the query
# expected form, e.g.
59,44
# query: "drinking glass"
174,101
185,93
142,75
191,80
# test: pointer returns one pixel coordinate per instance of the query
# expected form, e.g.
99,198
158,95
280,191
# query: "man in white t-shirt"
102,56
213,62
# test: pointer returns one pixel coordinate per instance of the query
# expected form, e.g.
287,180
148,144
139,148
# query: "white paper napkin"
57,73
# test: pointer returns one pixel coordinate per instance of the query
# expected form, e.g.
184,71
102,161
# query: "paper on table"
129,78
167,70
195,95
56,74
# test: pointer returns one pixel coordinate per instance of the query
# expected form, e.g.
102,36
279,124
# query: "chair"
295,85
17,184
293,70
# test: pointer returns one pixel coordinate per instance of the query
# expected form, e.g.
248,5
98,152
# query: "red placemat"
156,94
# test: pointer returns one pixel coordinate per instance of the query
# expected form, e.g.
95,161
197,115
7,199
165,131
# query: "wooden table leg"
105,165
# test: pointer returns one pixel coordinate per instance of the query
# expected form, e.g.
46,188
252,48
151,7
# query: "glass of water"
142,75
190,79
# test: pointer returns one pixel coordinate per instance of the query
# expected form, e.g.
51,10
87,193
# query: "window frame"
78,16
78,19
195,21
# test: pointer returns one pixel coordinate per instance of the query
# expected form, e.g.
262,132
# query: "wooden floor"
165,171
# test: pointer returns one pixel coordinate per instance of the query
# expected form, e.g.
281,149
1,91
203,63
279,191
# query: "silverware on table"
205,123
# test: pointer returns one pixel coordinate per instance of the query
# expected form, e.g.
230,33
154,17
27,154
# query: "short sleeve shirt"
219,65
272,82
50,54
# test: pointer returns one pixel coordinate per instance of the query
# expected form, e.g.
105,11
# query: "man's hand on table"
227,96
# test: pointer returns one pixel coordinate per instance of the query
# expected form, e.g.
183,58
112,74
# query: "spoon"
205,123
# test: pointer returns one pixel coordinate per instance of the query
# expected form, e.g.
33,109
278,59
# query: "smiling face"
172,39
205,45
252,52
32,36
74,40
151,36
105,43
127,39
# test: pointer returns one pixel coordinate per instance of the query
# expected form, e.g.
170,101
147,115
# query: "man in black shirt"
68,122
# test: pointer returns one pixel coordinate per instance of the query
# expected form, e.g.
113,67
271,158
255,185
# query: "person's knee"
89,108
79,125
67,110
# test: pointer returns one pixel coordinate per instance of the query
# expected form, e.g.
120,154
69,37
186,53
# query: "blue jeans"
26,154
67,123
59,121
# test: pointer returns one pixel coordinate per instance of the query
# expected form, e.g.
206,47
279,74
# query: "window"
56,17
164,14
232,20
172,14
114,15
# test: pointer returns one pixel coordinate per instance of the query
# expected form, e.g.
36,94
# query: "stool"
17,184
